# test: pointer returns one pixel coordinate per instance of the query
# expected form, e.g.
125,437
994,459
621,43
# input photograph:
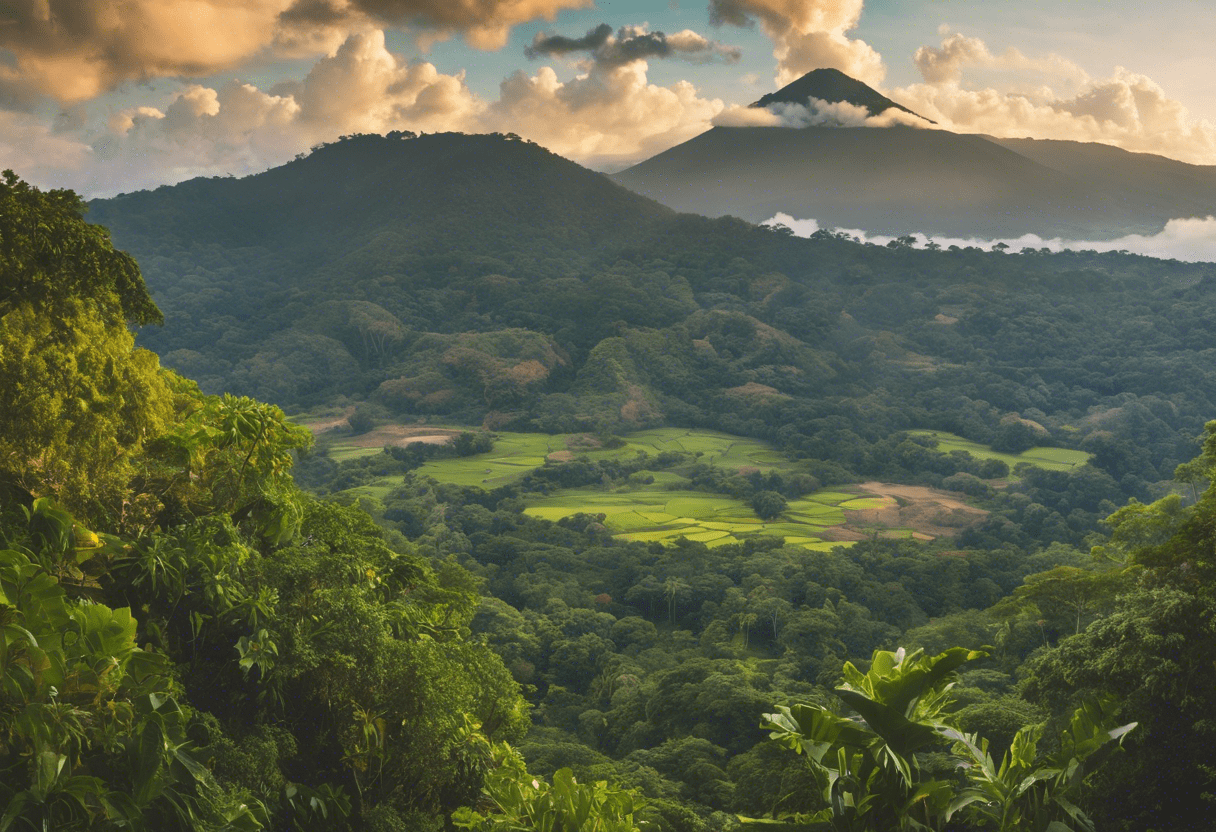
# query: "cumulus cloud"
633,43
815,113
806,35
945,64
485,24
608,117
1128,110
1192,239
75,49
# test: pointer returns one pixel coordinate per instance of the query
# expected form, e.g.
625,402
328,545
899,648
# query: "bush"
361,422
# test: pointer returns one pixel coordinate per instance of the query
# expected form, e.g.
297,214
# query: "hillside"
891,180
486,281
900,180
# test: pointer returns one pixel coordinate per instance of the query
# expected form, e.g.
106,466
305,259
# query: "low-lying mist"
1192,239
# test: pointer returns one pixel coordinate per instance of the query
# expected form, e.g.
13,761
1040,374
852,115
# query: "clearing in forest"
1051,459
666,508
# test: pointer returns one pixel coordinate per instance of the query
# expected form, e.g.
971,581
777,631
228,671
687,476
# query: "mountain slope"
368,185
831,85
1164,186
899,180
893,180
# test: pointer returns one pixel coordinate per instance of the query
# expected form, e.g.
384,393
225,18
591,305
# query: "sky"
108,96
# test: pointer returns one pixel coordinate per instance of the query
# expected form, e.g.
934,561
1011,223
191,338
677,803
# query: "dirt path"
402,435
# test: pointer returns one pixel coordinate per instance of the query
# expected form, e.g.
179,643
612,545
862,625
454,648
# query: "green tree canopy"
79,398
49,254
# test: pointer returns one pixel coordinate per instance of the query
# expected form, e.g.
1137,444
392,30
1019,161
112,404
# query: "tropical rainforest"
213,618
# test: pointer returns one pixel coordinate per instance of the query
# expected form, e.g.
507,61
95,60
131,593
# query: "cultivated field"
666,509
650,513
1051,459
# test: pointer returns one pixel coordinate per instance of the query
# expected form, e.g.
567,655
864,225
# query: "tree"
1154,653
672,588
49,255
768,504
94,733
1031,792
80,401
1077,593
869,773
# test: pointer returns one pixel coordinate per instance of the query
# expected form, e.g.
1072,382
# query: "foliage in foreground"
186,640
871,775
513,801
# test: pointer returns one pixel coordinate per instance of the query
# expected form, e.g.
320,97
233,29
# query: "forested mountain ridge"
480,277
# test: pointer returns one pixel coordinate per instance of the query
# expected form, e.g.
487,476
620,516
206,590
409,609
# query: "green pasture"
341,451
1051,459
515,454
661,510
651,514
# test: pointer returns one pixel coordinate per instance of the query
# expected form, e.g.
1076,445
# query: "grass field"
663,511
650,513
515,454
1051,459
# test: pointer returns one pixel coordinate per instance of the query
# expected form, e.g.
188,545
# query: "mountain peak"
833,86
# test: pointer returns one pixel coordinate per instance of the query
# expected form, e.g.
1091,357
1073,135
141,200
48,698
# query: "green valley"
583,492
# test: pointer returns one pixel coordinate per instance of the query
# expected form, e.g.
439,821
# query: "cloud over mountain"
806,35
814,113
609,116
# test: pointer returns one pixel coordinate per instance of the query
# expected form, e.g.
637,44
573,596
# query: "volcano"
904,179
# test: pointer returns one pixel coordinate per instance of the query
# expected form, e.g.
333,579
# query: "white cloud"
73,50
815,113
608,118
37,153
945,64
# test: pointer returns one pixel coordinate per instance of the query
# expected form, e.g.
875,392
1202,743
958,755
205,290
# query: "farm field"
515,454
665,510
1051,459
650,513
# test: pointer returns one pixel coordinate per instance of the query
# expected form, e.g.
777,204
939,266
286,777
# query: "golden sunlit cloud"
609,117
1127,110
806,35
74,50
815,113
